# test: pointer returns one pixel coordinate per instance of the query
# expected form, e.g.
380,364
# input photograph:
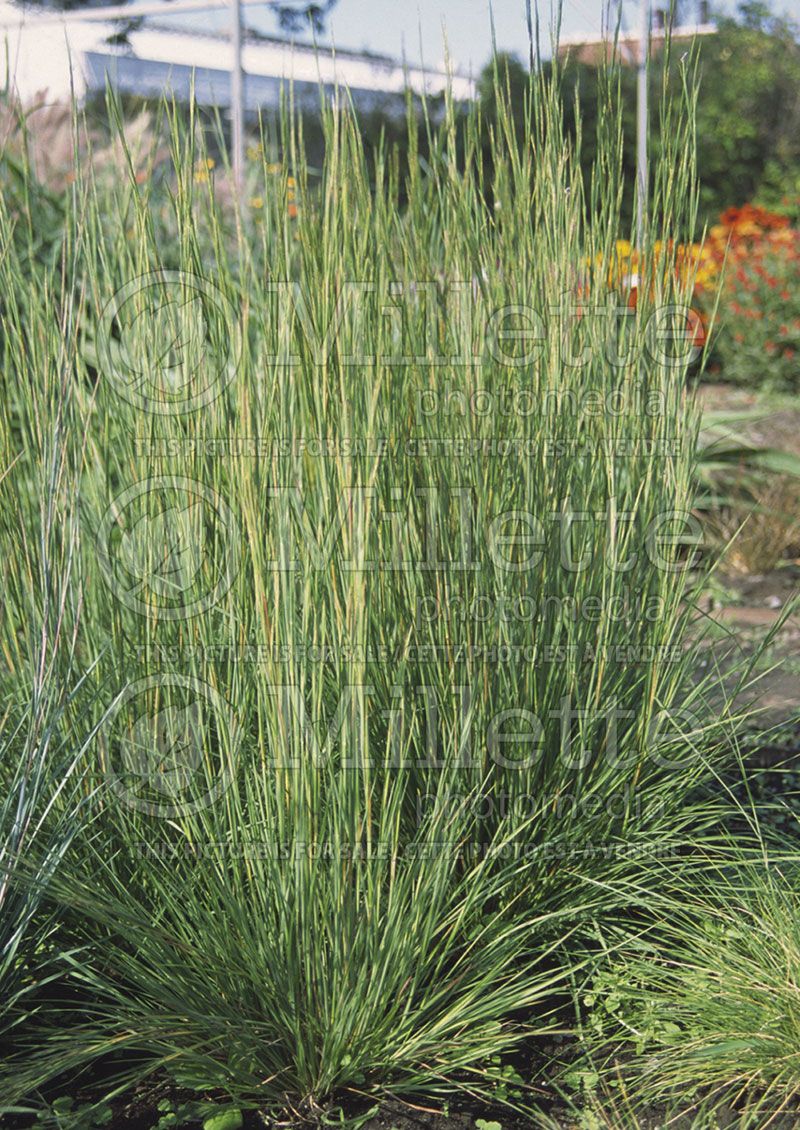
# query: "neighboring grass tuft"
700,1012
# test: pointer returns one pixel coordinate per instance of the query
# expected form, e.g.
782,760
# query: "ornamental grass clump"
377,589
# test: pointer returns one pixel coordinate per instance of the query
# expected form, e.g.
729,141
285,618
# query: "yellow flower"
273,169
257,202
704,276
623,248
290,182
202,169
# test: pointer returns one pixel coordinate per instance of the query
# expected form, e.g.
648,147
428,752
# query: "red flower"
696,328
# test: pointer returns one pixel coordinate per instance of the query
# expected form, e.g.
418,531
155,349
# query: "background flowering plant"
758,321
754,255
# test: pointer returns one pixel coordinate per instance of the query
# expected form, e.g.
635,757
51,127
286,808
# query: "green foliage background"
748,111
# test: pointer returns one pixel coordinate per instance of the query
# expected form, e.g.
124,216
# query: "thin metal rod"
641,121
237,94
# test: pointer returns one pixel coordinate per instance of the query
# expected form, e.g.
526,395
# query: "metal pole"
111,12
641,120
237,94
